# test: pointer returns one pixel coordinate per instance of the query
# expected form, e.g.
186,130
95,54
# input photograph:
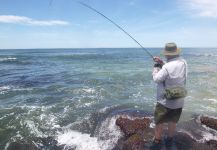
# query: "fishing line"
93,9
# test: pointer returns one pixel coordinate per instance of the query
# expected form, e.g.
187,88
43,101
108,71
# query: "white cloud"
203,8
29,21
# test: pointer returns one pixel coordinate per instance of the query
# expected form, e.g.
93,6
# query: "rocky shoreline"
137,133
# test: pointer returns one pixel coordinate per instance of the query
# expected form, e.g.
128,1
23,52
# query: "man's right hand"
158,60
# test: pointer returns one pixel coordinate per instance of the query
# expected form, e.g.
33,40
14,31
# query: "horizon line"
99,48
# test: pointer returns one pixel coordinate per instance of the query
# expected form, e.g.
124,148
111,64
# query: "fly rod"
93,9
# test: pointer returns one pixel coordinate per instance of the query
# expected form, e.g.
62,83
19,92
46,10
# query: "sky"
67,24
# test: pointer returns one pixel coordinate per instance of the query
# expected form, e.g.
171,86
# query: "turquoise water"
53,93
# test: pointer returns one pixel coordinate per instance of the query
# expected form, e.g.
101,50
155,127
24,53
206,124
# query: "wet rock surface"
209,122
50,143
138,134
130,127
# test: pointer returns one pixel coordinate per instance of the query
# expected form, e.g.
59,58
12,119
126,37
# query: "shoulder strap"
185,71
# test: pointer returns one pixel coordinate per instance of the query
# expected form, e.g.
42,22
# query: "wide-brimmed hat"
171,49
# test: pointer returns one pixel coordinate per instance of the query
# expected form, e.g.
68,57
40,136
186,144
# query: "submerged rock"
209,122
21,146
36,144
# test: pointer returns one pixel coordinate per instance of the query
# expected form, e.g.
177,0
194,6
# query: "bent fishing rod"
93,9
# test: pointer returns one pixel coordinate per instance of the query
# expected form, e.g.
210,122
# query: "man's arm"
159,75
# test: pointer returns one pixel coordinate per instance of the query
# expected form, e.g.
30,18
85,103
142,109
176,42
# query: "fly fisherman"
171,79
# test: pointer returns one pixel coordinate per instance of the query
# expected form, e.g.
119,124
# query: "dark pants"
164,115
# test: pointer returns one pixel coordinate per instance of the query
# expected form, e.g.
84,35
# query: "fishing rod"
93,9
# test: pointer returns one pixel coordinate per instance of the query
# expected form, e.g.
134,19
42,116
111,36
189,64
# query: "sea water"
73,95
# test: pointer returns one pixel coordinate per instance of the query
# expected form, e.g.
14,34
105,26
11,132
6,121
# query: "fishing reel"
158,65
158,62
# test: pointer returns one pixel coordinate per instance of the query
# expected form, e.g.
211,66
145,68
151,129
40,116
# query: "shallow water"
57,92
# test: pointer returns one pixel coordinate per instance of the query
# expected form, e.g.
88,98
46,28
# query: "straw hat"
171,49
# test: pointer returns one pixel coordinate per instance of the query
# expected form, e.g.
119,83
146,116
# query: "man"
168,76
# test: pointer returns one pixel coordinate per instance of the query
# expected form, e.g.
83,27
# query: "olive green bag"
176,92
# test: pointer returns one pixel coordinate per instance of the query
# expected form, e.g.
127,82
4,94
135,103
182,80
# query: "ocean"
71,97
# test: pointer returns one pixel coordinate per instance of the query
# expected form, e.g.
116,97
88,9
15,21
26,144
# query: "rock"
200,146
130,127
183,141
36,144
137,133
212,144
134,142
209,122
21,146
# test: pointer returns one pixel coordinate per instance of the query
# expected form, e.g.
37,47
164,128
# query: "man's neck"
170,58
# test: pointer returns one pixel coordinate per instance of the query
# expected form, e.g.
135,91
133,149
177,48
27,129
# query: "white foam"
7,145
109,133
6,115
85,90
4,89
89,104
105,137
8,58
104,109
208,108
77,140
212,100
208,136
89,90
33,129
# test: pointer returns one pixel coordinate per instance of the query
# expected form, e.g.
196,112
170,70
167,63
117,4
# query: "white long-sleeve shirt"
172,74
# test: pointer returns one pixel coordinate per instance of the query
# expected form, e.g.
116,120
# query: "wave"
7,89
84,56
202,54
96,131
78,141
212,100
14,60
197,131
105,137
8,59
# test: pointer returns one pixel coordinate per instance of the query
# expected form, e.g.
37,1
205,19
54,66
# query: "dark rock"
212,144
21,146
36,144
137,133
48,143
183,141
209,122
130,127
134,142
199,146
